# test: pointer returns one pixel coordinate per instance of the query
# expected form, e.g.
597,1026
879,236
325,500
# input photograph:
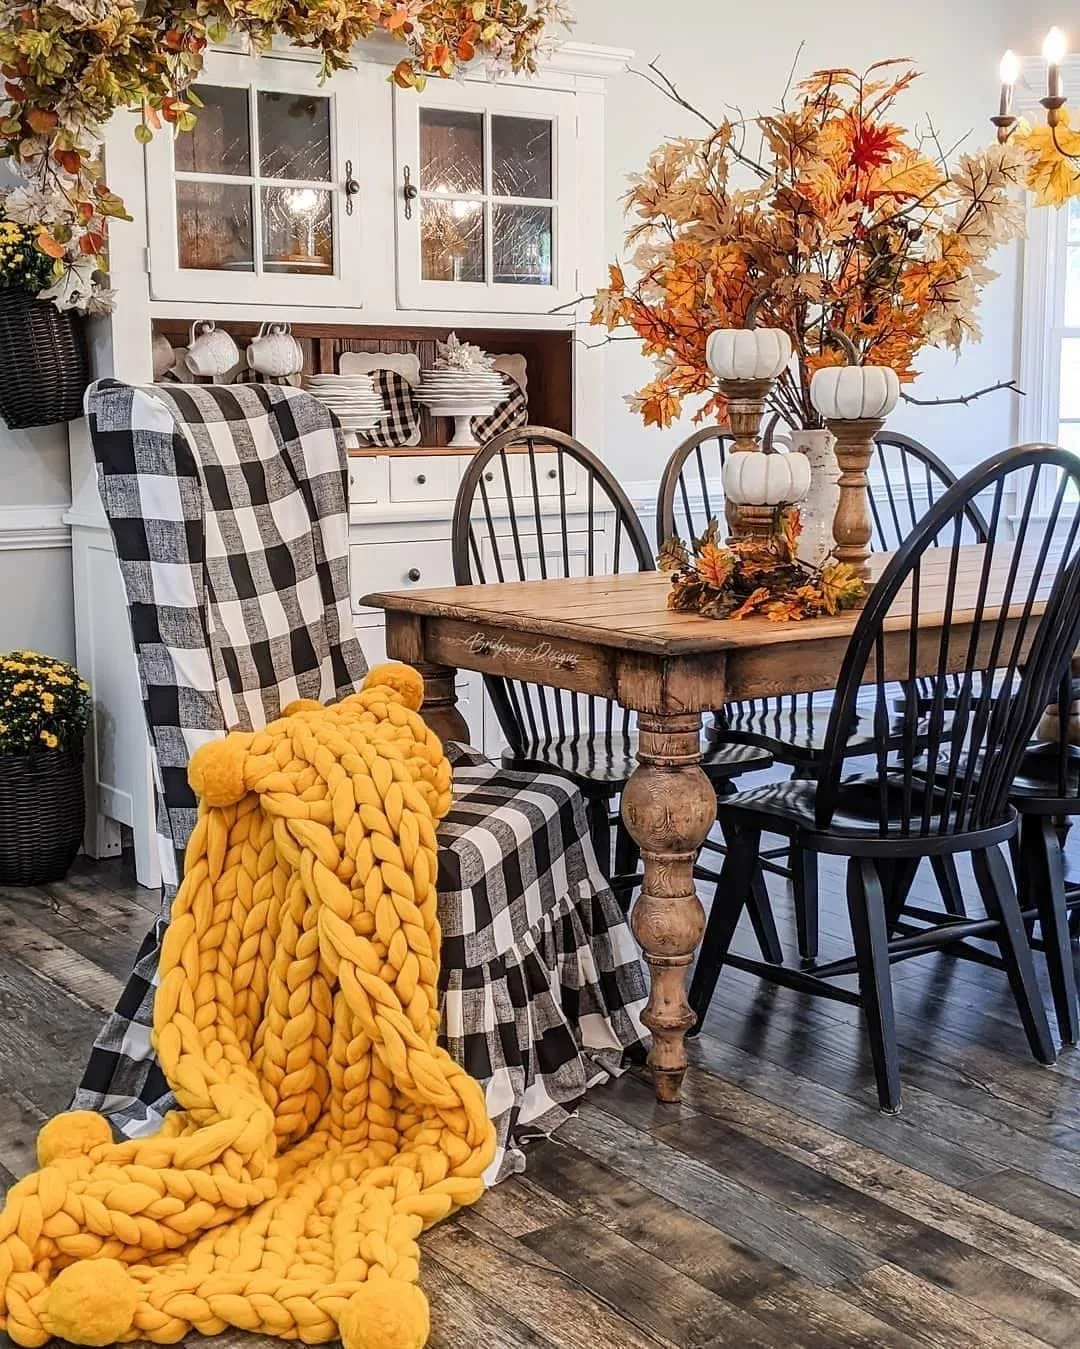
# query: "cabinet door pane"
521,157
297,224
521,240
451,151
451,240
213,226
294,136
221,139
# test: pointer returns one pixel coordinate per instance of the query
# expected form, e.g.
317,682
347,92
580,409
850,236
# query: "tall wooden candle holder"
852,524
746,400
745,362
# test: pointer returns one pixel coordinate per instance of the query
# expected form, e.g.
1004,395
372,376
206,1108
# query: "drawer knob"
421,478
553,473
414,573
489,477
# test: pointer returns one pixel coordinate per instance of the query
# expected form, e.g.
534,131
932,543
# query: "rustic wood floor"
775,1207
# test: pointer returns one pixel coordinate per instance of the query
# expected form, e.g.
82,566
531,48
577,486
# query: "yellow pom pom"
386,1314
71,1135
91,1302
216,771
301,705
402,679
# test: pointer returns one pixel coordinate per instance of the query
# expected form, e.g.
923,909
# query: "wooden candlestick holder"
757,521
746,400
852,525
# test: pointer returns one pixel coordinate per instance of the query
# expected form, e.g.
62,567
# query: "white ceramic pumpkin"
849,393
766,479
748,353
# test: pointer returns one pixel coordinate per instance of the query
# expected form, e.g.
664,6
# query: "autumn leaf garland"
69,65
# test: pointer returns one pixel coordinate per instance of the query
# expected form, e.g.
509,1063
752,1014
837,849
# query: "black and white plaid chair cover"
229,510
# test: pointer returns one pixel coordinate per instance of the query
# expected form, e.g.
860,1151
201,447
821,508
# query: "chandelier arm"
1060,148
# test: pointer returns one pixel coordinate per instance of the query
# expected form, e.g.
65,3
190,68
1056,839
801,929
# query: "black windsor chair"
536,504
792,726
1021,624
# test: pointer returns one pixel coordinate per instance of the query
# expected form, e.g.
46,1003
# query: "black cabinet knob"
414,573
421,478
489,477
553,473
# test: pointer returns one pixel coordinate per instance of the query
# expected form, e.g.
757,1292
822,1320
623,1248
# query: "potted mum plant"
44,713
44,368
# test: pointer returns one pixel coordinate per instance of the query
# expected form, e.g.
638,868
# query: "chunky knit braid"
321,1128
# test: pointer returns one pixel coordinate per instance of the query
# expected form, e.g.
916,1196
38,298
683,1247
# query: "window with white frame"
1050,321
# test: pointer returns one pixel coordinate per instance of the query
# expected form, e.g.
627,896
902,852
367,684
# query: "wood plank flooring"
773,1208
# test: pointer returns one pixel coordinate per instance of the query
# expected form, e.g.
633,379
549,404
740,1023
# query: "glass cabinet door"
485,198
256,202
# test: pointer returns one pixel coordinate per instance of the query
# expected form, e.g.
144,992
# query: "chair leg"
999,896
627,860
761,918
596,808
866,909
1041,878
944,868
804,893
732,893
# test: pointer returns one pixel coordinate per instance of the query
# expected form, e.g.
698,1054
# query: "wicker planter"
44,367
42,813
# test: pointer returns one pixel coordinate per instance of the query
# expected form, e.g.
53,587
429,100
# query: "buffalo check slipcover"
229,510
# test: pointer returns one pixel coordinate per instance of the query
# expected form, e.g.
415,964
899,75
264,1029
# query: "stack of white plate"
462,395
353,399
450,391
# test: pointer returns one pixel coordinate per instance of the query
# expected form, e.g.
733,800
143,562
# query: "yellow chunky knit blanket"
320,1126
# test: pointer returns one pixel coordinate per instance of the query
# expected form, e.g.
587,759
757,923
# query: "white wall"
721,55
35,554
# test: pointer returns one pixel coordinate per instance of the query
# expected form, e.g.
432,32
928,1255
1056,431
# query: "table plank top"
630,611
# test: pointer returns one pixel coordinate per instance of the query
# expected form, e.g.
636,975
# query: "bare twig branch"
664,85
791,74
965,398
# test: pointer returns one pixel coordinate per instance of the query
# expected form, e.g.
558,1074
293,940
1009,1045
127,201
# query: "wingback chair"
229,510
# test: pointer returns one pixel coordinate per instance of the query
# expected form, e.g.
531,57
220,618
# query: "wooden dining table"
615,637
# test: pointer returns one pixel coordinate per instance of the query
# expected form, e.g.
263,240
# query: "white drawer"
397,566
547,475
433,478
367,481
495,480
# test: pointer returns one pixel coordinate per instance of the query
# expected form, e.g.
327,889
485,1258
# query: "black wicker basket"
44,367
42,814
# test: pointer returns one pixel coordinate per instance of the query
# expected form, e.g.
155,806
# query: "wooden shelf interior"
548,357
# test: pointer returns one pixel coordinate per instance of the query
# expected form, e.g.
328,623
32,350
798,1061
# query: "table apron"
694,682
636,680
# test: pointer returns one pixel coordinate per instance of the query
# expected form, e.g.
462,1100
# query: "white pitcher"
819,508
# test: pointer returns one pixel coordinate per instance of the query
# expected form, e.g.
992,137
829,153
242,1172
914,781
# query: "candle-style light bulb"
1010,73
1054,50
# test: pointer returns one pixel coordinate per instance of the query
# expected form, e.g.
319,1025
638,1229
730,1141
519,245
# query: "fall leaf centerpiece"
823,216
760,575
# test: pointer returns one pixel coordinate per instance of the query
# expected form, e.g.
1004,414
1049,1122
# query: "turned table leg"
440,709
669,808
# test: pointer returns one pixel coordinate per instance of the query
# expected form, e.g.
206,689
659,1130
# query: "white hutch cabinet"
372,218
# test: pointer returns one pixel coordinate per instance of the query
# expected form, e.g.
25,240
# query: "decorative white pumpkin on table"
760,485
855,392
766,479
736,355
854,401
